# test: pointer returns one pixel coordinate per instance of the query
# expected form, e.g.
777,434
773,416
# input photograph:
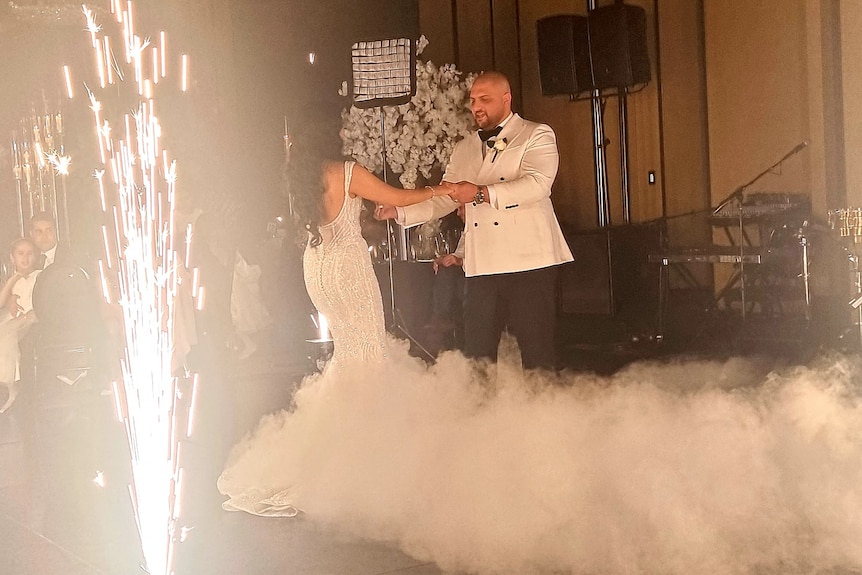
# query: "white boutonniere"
499,146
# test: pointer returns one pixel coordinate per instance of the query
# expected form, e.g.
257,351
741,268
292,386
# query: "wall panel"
683,121
507,47
851,72
474,21
757,93
437,23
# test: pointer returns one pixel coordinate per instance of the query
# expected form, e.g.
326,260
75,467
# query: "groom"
503,174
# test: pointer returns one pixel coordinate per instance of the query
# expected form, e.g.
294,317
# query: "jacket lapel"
510,131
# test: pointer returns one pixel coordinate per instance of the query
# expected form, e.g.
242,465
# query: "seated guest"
16,299
71,335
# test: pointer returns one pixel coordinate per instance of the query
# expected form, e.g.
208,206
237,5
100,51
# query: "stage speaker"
564,55
611,274
585,284
618,48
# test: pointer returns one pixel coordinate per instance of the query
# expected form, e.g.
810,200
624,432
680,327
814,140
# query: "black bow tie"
484,135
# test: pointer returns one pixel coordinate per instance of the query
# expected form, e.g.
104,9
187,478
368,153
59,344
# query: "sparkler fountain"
144,270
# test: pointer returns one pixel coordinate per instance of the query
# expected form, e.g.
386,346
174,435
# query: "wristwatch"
480,198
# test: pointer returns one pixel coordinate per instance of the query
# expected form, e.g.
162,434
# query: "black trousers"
523,303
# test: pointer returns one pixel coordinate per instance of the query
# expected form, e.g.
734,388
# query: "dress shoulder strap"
348,175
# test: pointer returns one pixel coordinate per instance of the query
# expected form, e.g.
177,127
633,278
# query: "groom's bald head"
490,99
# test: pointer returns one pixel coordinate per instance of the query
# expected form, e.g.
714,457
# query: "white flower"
421,134
499,146
421,43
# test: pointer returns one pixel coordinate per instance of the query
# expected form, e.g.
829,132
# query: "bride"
337,266
340,280
715,467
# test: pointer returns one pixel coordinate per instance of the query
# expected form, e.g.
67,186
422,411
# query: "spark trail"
143,270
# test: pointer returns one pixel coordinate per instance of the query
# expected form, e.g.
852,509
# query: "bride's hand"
463,192
450,188
382,212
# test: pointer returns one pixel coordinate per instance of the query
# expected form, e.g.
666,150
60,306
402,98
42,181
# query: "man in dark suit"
43,232
71,358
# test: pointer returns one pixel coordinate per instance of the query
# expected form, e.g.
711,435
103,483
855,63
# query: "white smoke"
673,468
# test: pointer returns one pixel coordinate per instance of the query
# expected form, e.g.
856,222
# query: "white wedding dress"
340,280
713,467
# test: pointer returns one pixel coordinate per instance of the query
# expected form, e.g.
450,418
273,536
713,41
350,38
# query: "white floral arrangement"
421,134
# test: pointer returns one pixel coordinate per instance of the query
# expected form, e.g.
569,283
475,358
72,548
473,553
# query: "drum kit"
848,223
821,257
827,261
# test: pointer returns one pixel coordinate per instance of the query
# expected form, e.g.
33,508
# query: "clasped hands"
461,192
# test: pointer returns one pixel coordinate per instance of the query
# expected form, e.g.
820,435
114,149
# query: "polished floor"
51,522
55,519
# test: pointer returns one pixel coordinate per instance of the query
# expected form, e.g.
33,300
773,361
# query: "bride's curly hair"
305,183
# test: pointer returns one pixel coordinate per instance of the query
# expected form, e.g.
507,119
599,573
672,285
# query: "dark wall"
35,47
475,35
249,71
275,80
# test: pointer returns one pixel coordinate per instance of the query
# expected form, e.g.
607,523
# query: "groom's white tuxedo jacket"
517,229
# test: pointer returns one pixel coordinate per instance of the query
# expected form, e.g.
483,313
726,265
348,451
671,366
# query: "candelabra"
40,167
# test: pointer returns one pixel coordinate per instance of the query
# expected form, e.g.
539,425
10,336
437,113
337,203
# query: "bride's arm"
367,185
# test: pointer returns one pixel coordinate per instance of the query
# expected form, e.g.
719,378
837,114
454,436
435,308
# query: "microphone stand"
740,191
737,196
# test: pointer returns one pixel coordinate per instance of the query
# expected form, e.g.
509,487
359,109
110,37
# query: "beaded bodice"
341,283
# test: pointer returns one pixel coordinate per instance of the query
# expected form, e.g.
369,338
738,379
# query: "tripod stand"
397,322
384,74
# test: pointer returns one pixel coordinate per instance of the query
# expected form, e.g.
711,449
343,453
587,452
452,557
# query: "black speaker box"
564,55
612,275
618,48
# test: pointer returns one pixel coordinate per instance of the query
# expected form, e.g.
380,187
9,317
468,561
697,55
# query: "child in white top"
16,313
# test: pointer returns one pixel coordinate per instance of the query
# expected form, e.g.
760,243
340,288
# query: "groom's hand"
382,213
463,192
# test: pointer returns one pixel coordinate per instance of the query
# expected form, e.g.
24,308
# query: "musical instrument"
762,206
848,221
711,255
767,245
780,265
